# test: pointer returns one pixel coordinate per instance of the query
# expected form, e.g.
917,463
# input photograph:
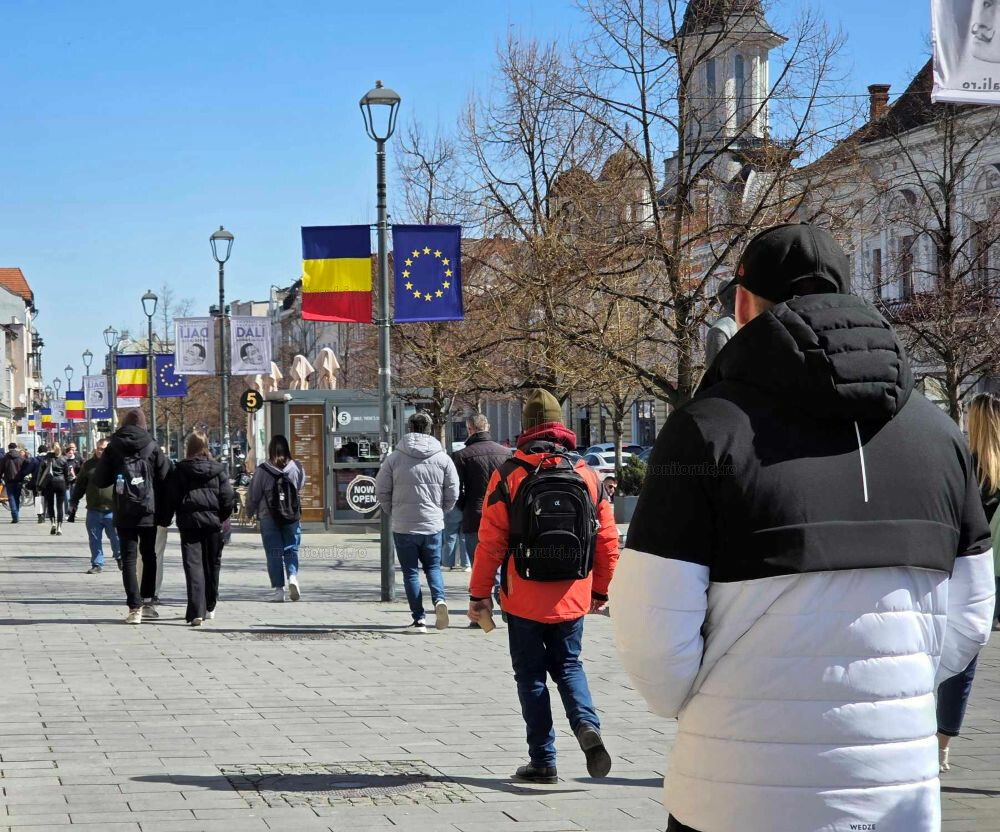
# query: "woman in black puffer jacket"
53,478
202,498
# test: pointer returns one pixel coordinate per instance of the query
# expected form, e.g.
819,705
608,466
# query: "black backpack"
11,467
282,499
553,521
135,501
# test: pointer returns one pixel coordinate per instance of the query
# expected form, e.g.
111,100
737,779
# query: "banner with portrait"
250,346
58,407
966,36
195,346
95,392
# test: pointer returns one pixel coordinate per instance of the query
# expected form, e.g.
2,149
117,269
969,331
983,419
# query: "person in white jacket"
808,559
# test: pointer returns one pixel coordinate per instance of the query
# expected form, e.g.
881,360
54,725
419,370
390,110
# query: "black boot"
537,774
598,759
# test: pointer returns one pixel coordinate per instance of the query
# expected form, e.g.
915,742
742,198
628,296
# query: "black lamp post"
56,384
222,247
149,307
88,359
379,107
111,342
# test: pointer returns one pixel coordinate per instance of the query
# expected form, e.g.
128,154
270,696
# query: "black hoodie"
200,495
129,441
807,449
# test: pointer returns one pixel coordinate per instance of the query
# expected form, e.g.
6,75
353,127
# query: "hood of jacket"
419,445
200,469
132,438
290,467
834,356
478,436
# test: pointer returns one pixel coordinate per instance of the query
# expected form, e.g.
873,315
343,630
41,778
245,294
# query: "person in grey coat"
416,485
725,327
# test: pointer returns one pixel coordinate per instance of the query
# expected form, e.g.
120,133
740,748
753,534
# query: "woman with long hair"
202,498
54,477
984,439
273,499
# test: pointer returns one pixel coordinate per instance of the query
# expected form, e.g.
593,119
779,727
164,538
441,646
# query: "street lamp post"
111,341
88,358
222,246
56,384
379,107
149,307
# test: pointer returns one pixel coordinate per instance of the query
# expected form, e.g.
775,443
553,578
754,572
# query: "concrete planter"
624,508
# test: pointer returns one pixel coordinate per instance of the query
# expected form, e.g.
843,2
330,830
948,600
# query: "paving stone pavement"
351,724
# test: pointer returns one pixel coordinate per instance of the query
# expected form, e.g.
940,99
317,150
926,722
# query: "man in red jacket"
545,618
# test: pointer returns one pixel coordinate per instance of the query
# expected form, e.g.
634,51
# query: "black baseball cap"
794,259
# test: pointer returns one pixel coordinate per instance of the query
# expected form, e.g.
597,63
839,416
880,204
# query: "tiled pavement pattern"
164,728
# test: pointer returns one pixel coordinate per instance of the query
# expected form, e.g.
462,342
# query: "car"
609,448
644,453
604,463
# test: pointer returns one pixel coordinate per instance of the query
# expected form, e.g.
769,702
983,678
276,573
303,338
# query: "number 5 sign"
251,401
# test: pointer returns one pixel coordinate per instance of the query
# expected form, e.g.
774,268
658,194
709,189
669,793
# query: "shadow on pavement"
959,790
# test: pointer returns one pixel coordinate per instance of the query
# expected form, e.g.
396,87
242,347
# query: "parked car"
604,463
609,448
645,452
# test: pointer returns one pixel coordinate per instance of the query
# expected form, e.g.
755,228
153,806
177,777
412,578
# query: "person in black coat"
136,519
202,499
53,478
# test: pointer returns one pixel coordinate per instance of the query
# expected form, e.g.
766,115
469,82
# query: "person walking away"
453,549
100,517
273,497
161,544
548,528
417,484
984,439
34,470
73,465
53,479
807,561
202,498
724,327
10,468
475,464
137,469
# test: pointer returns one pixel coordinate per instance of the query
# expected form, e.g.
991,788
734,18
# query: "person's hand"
597,605
476,608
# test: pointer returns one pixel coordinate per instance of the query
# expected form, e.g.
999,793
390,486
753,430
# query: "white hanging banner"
95,392
250,346
194,354
966,35
128,402
58,411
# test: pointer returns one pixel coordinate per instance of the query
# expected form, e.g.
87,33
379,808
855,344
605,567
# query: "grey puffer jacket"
417,484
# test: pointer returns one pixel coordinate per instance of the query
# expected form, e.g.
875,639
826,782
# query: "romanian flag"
337,273
31,423
74,405
46,418
131,378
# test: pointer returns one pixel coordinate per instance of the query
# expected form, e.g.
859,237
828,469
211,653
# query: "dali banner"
95,391
250,346
195,350
966,36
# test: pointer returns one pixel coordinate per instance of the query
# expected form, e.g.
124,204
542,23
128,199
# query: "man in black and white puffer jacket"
809,558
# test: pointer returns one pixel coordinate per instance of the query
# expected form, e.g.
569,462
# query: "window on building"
877,271
645,422
906,265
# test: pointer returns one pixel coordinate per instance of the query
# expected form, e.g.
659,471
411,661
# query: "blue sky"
129,131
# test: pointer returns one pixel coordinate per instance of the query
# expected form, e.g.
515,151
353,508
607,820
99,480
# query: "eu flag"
168,384
428,273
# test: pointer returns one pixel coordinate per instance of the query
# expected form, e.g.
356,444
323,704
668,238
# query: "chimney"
878,101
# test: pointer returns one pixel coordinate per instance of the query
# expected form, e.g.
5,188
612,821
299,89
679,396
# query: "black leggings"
55,499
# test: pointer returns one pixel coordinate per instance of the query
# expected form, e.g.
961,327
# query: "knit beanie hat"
136,417
540,408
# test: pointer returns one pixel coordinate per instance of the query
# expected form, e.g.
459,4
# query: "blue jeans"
99,522
952,697
14,500
453,544
413,552
537,649
471,544
281,545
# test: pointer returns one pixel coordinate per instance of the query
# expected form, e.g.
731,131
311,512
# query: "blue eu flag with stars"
428,273
168,383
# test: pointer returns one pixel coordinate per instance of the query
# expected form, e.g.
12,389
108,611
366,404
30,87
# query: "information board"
306,442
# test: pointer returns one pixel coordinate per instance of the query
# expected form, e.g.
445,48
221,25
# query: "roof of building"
12,278
709,15
909,111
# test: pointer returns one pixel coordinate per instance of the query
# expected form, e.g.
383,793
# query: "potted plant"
629,486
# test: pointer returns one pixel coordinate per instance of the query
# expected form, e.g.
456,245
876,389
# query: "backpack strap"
502,491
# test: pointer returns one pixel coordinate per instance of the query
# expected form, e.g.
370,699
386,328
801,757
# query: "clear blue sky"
129,131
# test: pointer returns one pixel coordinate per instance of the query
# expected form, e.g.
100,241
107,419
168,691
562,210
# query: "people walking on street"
417,484
453,551
137,469
29,479
10,468
273,497
475,464
808,560
100,507
201,498
73,465
547,527
984,439
53,478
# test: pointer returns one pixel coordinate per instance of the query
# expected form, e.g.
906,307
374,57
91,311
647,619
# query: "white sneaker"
417,627
196,622
210,615
149,609
278,595
293,588
441,615
134,616
467,569
943,762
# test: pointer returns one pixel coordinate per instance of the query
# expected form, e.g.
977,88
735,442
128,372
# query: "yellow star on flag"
439,293
409,285
409,262
406,273
447,272
416,294
416,253
427,250
427,297
446,285
445,261
437,253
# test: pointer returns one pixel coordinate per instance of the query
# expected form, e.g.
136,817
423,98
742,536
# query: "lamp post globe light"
222,246
69,376
379,108
149,307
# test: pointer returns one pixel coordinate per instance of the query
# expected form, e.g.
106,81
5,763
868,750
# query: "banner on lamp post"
194,351
95,391
966,51
250,346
